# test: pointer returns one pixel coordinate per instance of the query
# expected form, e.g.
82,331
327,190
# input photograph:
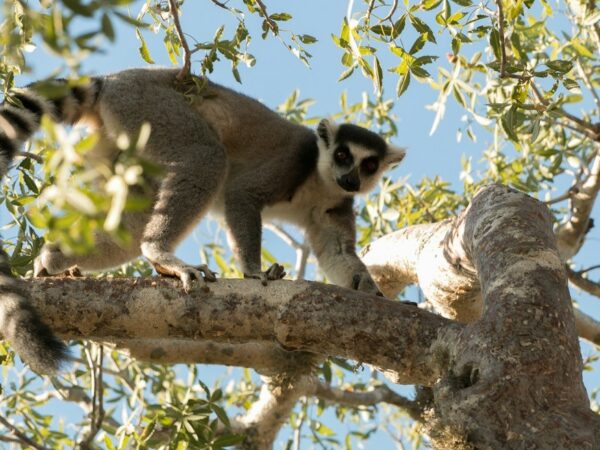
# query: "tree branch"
571,234
265,357
187,55
434,257
278,396
502,41
583,283
299,315
380,394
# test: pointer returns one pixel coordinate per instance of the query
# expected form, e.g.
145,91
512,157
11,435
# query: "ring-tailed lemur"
224,151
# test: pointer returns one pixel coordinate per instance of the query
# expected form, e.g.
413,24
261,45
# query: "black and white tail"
21,113
20,117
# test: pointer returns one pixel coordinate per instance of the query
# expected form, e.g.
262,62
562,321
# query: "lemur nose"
349,182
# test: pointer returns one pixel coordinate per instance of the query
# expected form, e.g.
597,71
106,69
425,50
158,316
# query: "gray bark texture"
502,369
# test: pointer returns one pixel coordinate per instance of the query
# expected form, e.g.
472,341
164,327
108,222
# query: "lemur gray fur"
224,152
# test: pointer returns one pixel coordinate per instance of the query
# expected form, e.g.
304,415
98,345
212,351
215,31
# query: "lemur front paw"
364,283
275,272
187,274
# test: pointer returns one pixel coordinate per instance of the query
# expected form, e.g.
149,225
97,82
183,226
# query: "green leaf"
456,46
403,83
419,72
508,121
77,7
382,30
107,27
282,17
570,84
131,20
307,39
422,28
378,74
495,43
417,45
561,66
581,49
221,414
428,5
347,73
227,440
144,52
399,26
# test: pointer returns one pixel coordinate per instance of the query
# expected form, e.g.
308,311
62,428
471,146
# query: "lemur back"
218,149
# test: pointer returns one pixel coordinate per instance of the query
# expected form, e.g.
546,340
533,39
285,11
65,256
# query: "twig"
587,128
37,158
302,255
566,196
220,4
298,430
588,83
502,41
20,435
187,56
381,394
302,248
583,283
97,412
582,271
392,11
272,25
370,9
284,235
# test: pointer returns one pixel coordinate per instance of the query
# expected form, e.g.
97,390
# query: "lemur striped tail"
20,117
21,113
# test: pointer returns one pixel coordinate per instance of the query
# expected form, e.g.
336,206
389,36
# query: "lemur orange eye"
342,155
370,165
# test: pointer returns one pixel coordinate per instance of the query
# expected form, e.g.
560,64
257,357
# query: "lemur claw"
187,275
275,272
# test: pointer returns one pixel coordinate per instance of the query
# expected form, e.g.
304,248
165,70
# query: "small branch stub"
187,54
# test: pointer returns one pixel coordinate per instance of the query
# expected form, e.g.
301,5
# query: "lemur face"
353,158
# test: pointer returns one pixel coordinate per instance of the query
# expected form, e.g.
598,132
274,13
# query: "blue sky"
277,73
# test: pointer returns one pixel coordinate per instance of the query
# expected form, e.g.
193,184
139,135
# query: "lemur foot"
72,272
275,272
51,262
364,283
187,274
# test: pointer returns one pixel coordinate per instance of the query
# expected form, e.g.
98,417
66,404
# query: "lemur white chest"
310,199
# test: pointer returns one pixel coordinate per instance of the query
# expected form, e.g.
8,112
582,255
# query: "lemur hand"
275,272
363,282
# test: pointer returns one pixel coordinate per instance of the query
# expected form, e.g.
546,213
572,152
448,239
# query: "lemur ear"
394,155
326,131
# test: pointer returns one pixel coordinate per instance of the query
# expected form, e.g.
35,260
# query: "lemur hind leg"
185,194
192,160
